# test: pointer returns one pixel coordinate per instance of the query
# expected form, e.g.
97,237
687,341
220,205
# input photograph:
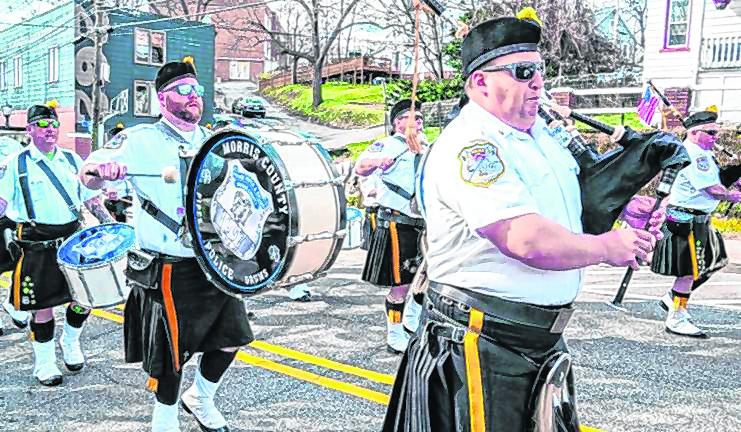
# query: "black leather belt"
553,319
391,215
29,245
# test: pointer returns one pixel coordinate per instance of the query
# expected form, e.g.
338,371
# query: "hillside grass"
345,105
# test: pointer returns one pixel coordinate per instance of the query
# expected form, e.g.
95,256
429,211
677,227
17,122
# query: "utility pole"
97,83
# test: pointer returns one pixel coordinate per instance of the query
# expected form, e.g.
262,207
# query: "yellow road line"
303,375
290,371
319,361
310,377
324,362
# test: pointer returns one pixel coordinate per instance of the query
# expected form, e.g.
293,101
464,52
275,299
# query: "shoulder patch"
116,142
481,164
702,163
376,147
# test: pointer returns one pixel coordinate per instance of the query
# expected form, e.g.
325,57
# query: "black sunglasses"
712,132
522,71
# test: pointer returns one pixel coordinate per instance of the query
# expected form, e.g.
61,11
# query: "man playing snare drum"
173,311
40,191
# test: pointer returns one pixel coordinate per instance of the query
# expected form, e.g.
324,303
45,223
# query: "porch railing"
721,52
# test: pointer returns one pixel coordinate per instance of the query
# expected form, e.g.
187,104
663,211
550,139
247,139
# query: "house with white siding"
693,49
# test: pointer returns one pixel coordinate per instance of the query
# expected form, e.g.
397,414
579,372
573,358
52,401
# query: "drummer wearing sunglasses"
41,192
173,309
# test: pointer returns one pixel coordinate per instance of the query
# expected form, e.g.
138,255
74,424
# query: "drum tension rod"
326,235
337,181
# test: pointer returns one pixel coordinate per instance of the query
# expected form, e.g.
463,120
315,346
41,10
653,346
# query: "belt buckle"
559,324
458,335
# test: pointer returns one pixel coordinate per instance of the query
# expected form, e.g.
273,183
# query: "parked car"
250,106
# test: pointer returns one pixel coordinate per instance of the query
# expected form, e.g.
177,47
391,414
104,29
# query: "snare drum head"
238,212
97,244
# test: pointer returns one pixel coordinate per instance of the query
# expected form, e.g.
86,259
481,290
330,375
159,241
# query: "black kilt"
184,315
432,392
674,255
382,266
369,225
38,283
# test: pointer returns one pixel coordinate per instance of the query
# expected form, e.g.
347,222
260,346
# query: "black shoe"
203,428
51,382
393,351
304,298
20,324
74,367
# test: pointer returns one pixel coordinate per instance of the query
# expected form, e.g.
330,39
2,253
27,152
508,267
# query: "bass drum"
263,211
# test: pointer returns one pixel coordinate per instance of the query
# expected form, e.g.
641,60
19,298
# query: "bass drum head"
239,212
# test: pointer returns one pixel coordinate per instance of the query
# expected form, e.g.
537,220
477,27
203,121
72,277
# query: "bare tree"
435,32
570,42
323,21
636,15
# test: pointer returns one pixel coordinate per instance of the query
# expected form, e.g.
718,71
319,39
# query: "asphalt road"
322,366
331,138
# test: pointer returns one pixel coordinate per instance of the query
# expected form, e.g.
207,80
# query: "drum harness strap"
396,188
147,205
26,191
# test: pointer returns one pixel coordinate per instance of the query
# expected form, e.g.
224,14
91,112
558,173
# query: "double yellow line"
293,372
310,377
300,374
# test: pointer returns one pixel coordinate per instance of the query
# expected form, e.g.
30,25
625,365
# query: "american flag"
647,106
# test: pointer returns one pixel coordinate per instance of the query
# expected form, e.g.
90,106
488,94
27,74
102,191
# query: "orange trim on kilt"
693,255
394,316
17,275
153,384
170,314
373,221
473,371
395,255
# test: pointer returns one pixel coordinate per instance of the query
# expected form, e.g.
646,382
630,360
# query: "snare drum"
354,236
264,210
93,262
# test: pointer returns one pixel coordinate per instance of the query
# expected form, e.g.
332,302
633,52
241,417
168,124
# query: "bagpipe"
608,181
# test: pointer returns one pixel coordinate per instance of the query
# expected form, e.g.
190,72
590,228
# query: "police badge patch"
376,147
480,164
116,142
239,210
703,164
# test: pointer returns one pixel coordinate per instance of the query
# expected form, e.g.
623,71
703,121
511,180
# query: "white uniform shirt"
148,149
369,189
702,173
48,204
400,174
481,171
8,146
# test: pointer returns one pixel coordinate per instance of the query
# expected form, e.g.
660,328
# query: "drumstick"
169,174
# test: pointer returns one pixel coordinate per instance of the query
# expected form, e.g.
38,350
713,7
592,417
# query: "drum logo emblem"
480,164
239,211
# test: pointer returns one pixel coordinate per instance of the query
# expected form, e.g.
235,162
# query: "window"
53,64
158,42
150,47
677,24
18,71
3,72
146,103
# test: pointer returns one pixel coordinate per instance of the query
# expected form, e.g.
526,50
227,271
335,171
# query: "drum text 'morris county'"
252,151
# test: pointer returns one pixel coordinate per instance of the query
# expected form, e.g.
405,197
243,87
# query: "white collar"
187,135
493,126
